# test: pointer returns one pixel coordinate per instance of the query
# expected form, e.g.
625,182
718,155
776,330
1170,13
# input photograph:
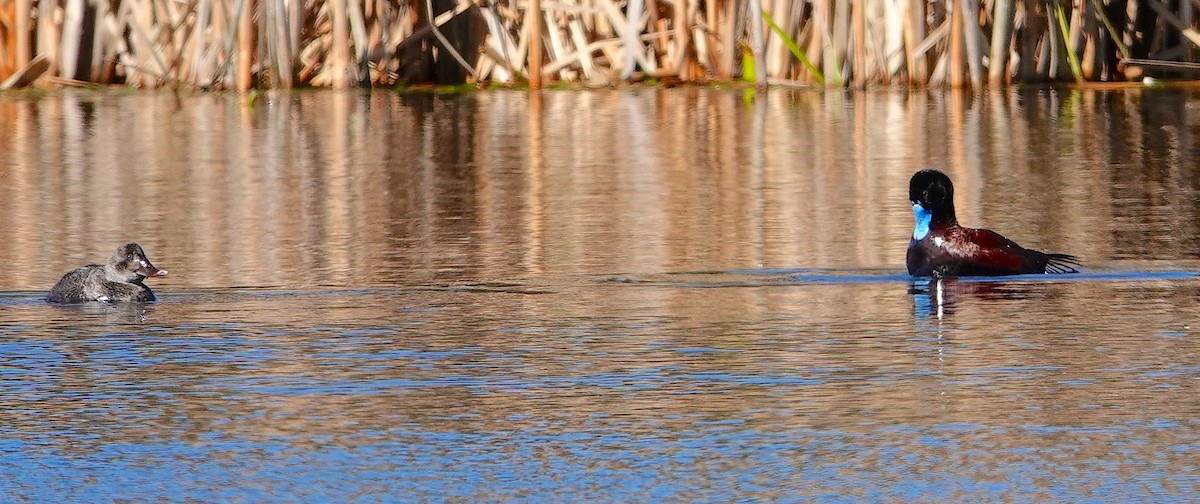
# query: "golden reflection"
350,189
535,226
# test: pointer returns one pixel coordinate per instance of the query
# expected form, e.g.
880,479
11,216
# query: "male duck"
120,279
940,247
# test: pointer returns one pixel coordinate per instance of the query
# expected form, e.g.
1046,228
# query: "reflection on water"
616,295
329,189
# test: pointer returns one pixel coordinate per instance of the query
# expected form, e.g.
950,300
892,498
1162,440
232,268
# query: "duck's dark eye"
935,194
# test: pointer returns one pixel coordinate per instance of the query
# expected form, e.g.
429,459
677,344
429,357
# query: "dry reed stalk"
658,45
1052,52
374,48
27,74
1114,35
7,36
556,44
419,34
295,20
158,25
894,38
801,30
875,42
727,46
1188,32
192,66
522,53
629,26
973,40
858,34
533,20
875,39
1025,68
148,66
49,37
281,43
879,35
1075,29
110,37
21,27
1002,28
340,52
681,59
914,32
957,52
245,44
22,52
177,32
777,55
840,41
358,30
579,39
816,48
268,41
499,48
222,41
702,37
757,42
1093,62
72,39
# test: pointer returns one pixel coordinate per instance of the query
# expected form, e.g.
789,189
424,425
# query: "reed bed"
211,44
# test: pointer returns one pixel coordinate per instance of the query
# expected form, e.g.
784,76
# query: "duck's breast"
124,291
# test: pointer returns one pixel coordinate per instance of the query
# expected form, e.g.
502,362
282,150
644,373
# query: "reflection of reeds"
480,187
282,43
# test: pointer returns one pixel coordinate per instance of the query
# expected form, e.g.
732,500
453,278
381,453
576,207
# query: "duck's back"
959,251
79,285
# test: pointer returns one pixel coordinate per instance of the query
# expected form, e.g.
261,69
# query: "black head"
933,190
129,263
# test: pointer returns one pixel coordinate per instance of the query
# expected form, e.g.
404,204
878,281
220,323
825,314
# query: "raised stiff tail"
1062,263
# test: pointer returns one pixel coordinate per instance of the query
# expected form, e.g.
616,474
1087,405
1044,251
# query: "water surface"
633,295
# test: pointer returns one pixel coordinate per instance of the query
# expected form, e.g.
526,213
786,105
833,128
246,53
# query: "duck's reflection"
117,313
937,297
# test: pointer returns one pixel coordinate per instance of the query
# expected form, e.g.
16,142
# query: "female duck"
940,247
120,279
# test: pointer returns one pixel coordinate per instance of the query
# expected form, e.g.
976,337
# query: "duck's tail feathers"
1062,263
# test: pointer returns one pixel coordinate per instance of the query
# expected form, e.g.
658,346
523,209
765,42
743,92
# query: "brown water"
684,295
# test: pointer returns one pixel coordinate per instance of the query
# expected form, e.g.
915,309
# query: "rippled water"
634,295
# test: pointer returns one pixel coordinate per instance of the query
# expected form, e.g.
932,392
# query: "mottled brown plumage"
120,279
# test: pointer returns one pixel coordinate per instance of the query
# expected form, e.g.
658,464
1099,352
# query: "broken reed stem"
341,43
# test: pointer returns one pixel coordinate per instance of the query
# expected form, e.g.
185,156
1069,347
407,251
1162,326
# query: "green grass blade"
1066,34
795,49
1112,30
747,64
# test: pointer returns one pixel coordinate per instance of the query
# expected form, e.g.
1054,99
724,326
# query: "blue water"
589,394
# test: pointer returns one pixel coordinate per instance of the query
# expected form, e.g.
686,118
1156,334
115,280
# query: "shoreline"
267,44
